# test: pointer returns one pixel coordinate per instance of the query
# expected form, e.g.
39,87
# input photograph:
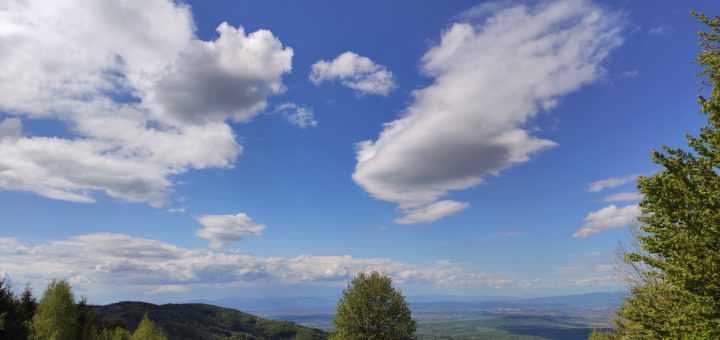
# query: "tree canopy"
147,330
55,317
371,308
678,258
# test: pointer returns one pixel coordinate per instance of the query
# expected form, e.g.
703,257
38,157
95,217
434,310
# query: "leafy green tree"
147,330
55,318
112,324
113,334
678,259
603,335
371,308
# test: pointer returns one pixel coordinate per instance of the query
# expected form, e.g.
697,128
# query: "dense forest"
201,321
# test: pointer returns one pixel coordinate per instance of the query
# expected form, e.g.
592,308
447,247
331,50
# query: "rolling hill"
202,321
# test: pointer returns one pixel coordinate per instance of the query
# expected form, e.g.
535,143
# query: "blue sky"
148,151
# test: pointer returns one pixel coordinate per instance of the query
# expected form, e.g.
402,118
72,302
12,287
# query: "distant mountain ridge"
262,305
590,300
207,322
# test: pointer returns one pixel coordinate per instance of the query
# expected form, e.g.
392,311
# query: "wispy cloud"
168,289
660,30
298,115
593,268
623,196
629,74
95,260
604,280
530,283
432,212
611,182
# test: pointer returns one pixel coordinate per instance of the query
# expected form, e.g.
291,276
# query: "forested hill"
201,321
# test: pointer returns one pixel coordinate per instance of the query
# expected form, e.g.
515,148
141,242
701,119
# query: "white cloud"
132,164
222,229
609,217
605,267
230,77
530,283
593,268
432,212
10,128
143,99
589,272
605,280
490,79
301,116
356,72
623,196
66,170
168,289
611,182
72,52
12,246
629,74
96,260
660,30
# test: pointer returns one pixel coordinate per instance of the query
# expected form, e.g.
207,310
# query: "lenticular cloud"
491,75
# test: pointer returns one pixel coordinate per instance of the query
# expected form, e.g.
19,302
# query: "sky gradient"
169,151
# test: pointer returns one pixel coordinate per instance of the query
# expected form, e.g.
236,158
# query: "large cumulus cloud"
491,76
142,98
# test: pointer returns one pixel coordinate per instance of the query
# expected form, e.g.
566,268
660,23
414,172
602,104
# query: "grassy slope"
201,321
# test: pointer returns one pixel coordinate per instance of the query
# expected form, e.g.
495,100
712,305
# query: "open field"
558,317
503,328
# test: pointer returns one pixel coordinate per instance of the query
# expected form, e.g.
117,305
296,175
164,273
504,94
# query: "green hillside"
201,321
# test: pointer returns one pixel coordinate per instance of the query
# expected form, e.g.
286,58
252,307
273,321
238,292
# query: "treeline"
59,316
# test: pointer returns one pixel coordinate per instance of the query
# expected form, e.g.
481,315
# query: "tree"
371,308
118,333
55,318
25,311
602,335
147,330
8,312
678,259
88,326
15,313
